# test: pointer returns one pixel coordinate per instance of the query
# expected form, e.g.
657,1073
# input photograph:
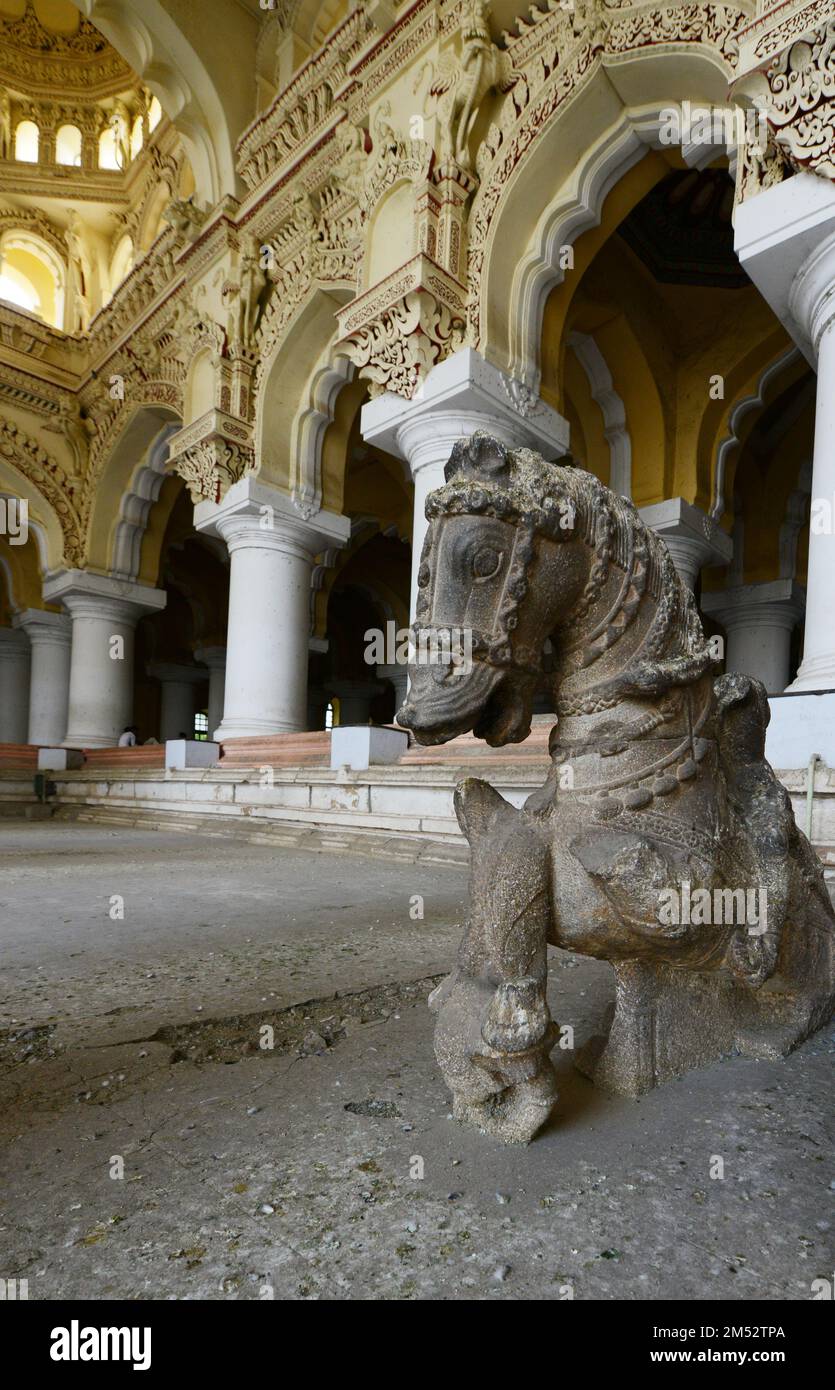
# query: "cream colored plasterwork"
318,165
797,92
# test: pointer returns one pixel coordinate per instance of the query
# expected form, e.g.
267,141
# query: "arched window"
200,387
122,263
26,139
154,114
32,276
68,145
137,136
16,289
110,154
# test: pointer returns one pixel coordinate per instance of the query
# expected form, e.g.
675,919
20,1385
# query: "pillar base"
816,677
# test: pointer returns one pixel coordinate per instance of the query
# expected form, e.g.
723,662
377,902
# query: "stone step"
278,750
141,755
467,749
18,756
407,847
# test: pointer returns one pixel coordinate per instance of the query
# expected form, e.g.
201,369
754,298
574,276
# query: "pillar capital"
257,516
13,643
777,603
691,536
213,657
462,394
758,620
785,240
101,673
271,542
50,641
42,626
88,595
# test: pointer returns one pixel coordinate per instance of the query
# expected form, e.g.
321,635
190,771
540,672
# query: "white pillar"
785,238
215,659
462,394
691,536
14,686
399,677
758,620
271,549
50,639
814,301
104,614
355,699
177,706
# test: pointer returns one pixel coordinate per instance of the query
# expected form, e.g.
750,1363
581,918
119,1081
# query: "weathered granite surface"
661,840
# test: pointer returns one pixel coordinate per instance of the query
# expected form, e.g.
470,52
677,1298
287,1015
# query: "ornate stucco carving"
760,167
796,90
321,176
555,55
26,455
211,454
305,108
463,81
46,60
396,332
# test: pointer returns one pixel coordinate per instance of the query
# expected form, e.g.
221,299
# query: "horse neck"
634,611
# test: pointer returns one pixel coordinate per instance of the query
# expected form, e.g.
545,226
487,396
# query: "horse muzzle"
445,700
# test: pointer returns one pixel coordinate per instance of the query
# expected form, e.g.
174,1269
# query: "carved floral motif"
798,92
396,332
211,454
26,455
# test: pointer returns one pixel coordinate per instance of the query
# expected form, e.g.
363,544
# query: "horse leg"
494,1033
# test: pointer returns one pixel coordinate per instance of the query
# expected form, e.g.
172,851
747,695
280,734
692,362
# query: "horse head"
502,561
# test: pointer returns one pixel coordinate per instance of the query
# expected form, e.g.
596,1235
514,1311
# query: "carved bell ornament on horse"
668,790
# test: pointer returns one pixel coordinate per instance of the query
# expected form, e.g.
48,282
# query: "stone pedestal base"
364,745
185,752
59,759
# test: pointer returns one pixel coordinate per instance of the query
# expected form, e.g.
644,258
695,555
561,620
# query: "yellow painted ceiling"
58,16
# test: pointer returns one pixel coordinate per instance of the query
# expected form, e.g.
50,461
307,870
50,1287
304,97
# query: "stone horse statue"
669,795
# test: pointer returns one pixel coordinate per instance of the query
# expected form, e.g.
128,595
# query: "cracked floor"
217,1081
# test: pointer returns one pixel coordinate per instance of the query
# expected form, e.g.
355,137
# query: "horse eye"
486,562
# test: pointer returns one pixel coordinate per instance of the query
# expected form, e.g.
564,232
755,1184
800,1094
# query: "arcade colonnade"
62,684
372,267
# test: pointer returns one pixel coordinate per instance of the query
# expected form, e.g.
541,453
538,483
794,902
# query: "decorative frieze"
303,110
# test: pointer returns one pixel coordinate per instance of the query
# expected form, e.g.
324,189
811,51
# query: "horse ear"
456,463
489,459
481,457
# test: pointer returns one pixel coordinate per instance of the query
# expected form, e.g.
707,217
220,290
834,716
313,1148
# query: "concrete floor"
328,1166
